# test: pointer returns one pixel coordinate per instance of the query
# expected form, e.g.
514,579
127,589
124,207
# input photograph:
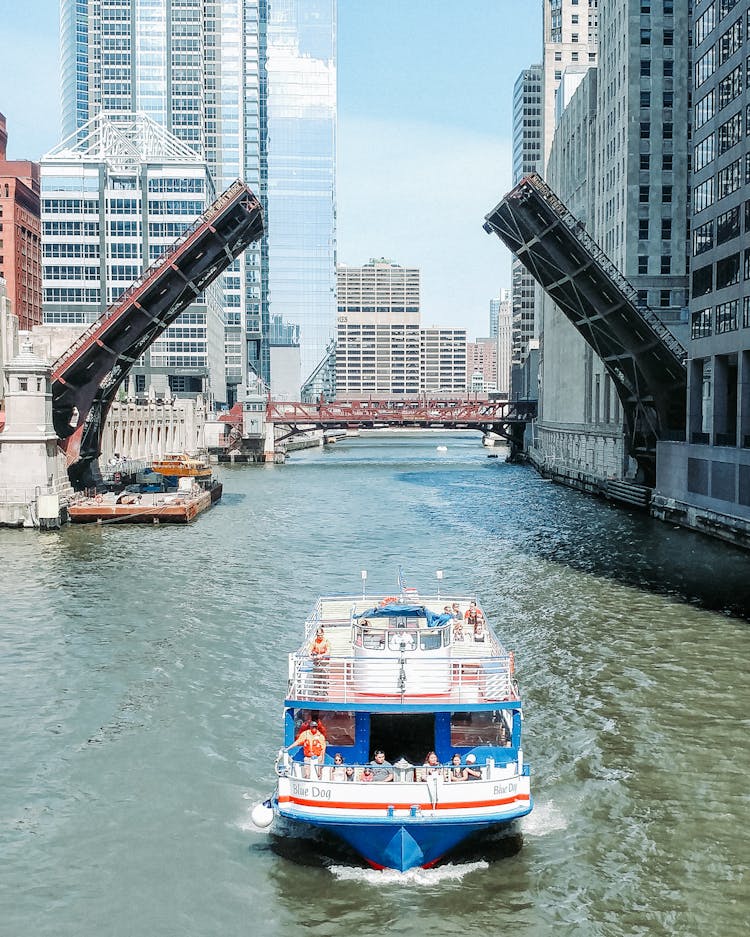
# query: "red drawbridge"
86,378
506,418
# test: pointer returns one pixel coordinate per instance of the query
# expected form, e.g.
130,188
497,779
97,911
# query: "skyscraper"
251,86
527,156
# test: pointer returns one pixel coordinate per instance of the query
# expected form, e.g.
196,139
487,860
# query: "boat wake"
544,819
429,877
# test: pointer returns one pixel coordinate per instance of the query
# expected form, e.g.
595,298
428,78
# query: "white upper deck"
402,658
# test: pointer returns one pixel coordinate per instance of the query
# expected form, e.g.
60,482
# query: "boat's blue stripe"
398,707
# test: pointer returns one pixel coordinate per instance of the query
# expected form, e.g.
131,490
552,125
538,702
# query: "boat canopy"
395,610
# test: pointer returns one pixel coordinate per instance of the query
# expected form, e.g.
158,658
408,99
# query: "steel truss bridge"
86,378
644,360
508,418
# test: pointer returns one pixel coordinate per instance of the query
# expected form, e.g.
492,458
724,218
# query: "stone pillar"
269,447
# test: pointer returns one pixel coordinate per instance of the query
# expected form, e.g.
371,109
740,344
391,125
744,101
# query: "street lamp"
364,582
439,574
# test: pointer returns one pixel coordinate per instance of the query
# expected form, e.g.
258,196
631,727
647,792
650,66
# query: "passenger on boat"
472,613
456,770
313,744
479,627
338,773
458,629
431,765
349,773
367,774
321,649
382,770
471,771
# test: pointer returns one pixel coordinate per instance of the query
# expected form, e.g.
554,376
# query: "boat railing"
460,679
403,773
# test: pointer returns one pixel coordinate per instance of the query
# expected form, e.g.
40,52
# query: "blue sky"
424,132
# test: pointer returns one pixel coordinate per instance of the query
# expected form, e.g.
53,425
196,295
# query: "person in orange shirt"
313,744
321,649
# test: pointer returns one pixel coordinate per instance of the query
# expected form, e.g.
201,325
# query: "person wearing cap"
471,771
313,744
382,770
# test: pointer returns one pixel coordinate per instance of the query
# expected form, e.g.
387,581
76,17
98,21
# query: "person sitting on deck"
321,649
367,774
472,613
471,771
456,769
479,627
338,772
313,744
431,765
382,770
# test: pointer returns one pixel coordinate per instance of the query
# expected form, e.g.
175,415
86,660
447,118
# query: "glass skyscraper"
251,86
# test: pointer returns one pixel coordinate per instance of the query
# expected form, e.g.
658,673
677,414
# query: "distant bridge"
505,418
85,379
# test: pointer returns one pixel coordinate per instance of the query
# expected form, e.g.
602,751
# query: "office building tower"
250,86
481,359
707,481
495,308
527,157
115,196
378,350
20,235
617,161
443,361
504,346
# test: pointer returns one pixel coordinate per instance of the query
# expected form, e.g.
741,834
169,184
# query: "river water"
143,669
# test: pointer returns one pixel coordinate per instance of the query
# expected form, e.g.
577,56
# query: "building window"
642,264
643,229
667,130
665,299
645,99
668,37
643,194
730,87
645,68
668,68
700,323
668,99
705,109
730,42
705,67
666,194
645,161
703,280
728,226
704,24
745,312
666,264
645,129
703,153
726,317
730,133
666,162
645,37
703,238
728,179
666,229
727,271
746,264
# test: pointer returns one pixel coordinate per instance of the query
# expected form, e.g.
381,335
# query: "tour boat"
401,675
182,466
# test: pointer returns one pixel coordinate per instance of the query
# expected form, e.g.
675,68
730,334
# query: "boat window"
337,726
429,640
373,640
401,641
478,728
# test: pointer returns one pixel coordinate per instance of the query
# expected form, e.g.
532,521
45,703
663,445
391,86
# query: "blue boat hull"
407,844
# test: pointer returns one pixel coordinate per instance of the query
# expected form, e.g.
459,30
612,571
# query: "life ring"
388,600
98,499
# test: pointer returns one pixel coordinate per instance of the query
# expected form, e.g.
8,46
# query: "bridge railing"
234,190
595,251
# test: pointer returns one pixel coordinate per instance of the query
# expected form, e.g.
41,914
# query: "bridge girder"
644,360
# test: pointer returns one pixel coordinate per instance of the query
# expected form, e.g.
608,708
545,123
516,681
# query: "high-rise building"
378,352
481,358
617,161
495,307
527,157
251,86
115,195
504,347
20,235
706,482
443,359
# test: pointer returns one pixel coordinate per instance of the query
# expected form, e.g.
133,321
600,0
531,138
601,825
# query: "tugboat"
402,728
182,465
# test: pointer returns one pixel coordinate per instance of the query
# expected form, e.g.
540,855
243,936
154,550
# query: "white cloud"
418,194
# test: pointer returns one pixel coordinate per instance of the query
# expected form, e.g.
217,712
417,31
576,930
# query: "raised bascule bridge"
646,363
86,378
507,419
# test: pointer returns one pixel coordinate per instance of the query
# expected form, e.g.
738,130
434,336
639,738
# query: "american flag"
403,588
